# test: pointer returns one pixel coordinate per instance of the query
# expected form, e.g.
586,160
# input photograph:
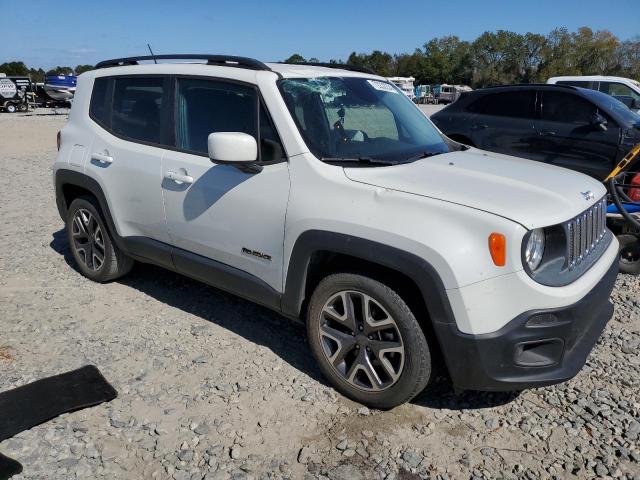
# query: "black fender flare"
64,177
421,272
137,247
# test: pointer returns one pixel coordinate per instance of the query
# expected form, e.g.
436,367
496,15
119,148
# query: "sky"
63,32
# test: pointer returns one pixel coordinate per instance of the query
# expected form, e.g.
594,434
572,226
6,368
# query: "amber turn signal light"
498,248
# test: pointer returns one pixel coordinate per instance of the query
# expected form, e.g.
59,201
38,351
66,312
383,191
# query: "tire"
629,254
23,107
10,108
93,250
380,363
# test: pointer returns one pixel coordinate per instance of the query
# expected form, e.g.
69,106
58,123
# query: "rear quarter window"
99,106
518,104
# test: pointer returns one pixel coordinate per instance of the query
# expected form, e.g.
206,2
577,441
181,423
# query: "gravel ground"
211,386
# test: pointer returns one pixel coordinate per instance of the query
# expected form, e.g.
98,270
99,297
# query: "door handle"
179,178
102,157
479,126
546,133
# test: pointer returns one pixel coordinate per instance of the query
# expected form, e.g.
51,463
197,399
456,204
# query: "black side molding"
416,268
225,277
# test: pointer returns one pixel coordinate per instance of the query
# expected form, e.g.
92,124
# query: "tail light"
58,140
634,192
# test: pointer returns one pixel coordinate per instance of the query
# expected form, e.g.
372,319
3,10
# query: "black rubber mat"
8,467
25,407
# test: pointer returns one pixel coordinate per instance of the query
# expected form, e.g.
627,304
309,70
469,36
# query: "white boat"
60,87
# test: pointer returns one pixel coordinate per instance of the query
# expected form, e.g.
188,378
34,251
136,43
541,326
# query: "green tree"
594,53
628,59
498,58
295,58
60,71
556,55
37,75
82,68
378,62
14,69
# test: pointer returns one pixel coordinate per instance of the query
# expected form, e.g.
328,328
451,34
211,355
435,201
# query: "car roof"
301,70
524,86
149,64
592,77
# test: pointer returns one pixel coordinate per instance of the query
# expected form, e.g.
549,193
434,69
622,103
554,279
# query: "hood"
531,193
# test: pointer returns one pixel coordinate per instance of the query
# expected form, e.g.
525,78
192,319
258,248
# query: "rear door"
223,213
126,153
567,138
504,122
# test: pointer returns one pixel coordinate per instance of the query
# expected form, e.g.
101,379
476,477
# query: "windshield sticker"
382,86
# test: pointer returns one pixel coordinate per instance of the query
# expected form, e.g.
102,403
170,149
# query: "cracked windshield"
359,119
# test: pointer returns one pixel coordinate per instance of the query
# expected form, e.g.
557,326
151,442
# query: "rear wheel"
629,254
367,341
97,257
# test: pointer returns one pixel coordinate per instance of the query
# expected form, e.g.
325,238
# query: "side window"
137,106
208,106
99,106
618,90
575,83
271,149
566,107
517,104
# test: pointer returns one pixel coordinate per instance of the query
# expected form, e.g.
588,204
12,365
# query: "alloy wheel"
88,239
361,341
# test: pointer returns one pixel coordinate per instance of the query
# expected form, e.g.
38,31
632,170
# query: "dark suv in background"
571,127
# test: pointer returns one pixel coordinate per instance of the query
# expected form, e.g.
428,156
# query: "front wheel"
367,341
10,108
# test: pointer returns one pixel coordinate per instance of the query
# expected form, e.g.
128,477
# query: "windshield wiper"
369,160
422,155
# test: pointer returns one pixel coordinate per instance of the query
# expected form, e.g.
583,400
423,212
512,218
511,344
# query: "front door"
220,212
503,122
568,139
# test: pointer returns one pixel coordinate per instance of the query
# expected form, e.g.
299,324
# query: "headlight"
534,250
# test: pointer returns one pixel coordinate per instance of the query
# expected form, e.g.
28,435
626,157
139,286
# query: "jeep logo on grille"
588,195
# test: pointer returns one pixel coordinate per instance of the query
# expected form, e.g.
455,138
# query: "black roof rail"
573,87
341,66
220,60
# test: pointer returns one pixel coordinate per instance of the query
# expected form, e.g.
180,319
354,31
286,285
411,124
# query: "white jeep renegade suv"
325,194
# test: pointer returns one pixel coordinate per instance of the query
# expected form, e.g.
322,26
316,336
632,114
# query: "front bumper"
537,348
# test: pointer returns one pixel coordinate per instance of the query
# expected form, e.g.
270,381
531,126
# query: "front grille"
585,232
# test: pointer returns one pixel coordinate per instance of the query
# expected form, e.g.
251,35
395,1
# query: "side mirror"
635,104
236,148
599,122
